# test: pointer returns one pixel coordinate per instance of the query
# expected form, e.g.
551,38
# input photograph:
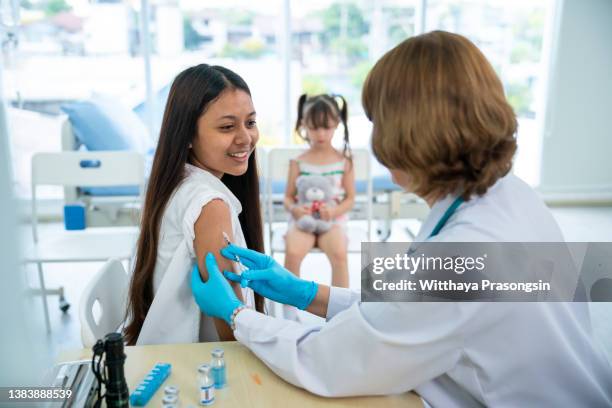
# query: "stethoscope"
447,214
441,222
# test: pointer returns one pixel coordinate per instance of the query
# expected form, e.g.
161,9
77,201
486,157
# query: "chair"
108,290
277,170
96,169
262,162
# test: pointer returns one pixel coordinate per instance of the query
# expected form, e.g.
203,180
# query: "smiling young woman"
203,183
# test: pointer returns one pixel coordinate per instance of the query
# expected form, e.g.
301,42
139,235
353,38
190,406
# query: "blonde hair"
439,113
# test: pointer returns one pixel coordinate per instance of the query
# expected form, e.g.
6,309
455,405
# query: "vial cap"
217,353
204,369
170,399
171,390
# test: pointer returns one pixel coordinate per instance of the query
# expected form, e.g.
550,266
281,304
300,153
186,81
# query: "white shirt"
453,354
174,317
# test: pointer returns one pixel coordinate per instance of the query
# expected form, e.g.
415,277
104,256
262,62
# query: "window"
511,35
66,50
337,43
238,34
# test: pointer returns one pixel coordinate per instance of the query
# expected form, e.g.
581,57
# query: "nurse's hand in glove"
266,277
215,297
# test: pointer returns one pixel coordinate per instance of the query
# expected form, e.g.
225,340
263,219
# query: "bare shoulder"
304,156
216,209
338,154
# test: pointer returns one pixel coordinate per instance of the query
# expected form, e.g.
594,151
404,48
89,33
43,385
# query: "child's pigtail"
300,114
346,151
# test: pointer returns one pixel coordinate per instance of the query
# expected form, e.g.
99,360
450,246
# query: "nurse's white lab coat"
174,317
453,354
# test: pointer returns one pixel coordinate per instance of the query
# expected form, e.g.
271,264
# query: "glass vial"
170,400
218,368
206,384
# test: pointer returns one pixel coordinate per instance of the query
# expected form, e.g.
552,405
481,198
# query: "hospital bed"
70,169
104,206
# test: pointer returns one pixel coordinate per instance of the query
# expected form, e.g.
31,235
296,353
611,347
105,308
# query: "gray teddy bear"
314,191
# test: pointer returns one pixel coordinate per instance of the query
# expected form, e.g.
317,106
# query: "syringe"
241,268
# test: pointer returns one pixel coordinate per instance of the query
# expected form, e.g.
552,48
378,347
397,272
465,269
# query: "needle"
243,282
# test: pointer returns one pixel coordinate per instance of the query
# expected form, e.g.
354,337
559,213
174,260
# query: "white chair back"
262,165
278,170
362,165
262,162
91,169
108,289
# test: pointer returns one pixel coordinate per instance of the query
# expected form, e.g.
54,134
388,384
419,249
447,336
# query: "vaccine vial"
218,368
171,397
171,390
206,384
170,400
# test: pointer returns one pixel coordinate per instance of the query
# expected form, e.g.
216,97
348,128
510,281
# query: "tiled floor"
578,224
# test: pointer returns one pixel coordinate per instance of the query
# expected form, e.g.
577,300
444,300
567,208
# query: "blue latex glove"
266,277
215,297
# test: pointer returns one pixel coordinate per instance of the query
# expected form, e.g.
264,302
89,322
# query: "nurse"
443,127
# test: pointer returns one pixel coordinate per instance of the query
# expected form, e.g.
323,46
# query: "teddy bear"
314,191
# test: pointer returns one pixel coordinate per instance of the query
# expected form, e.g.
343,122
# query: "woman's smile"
240,156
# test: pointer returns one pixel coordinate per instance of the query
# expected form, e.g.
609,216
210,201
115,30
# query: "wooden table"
250,382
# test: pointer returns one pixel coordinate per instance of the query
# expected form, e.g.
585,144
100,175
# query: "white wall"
107,29
23,346
169,30
577,144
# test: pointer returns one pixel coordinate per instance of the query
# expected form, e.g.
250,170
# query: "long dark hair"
191,93
317,111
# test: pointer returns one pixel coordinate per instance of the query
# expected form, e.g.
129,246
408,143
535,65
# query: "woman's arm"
369,349
213,221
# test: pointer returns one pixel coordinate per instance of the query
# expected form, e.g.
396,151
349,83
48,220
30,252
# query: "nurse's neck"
431,199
